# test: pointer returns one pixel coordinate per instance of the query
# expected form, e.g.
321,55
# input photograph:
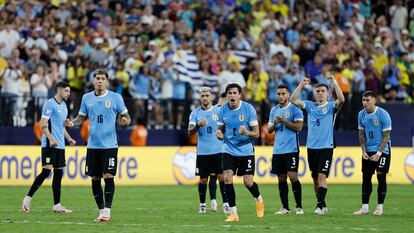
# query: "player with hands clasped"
374,126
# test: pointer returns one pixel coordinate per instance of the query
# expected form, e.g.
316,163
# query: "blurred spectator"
139,133
9,38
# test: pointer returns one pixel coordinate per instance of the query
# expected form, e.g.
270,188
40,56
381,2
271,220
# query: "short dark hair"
369,93
61,84
234,85
322,85
100,72
283,86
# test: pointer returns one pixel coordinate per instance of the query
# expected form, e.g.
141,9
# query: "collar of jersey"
208,110
236,108
106,92
285,106
321,104
372,113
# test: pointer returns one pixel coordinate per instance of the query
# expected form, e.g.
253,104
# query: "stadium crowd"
159,53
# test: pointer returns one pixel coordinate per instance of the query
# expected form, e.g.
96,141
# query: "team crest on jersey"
325,110
47,160
215,117
107,104
287,114
376,122
241,117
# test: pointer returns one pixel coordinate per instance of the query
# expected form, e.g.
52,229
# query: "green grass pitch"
175,209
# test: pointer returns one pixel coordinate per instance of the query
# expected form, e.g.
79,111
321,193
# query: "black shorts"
382,165
284,163
53,156
241,165
320,161
207,164
101,161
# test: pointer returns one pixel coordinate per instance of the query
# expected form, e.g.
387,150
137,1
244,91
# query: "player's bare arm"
339,95
125,119
295,126
294,97
76,122
219,133
254,133
362,143
385,138
71,141
45,129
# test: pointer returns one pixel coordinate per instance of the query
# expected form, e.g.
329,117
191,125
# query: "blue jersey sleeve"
220,116
193,118
120,105
386,121
83,109
298,114
308,105
47,110
360,124
271,117
252,116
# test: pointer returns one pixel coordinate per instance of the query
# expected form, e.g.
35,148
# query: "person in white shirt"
231,76
9,38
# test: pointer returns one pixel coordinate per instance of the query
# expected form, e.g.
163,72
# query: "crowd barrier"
19,165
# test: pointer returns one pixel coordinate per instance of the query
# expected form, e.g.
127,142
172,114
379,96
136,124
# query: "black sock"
283,193
231,195
109,191
57,184
366,188
98,193
38,181
382,187
321,197
223,192
254,190
202,188
212,187
297,192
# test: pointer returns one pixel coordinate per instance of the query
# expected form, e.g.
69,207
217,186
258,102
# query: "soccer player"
320,141
102,107
286,121
238,127
54,113
203,121
374,126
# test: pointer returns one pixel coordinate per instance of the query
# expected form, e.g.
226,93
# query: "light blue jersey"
286,140
374,124
234,143
102,112
208,143
321,120
56,113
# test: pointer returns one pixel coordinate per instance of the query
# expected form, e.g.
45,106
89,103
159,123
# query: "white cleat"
202,209
26,204
299,210
104,215
282,211
61,209
361,211
378,212
325,209
320,211
226,208
213,206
